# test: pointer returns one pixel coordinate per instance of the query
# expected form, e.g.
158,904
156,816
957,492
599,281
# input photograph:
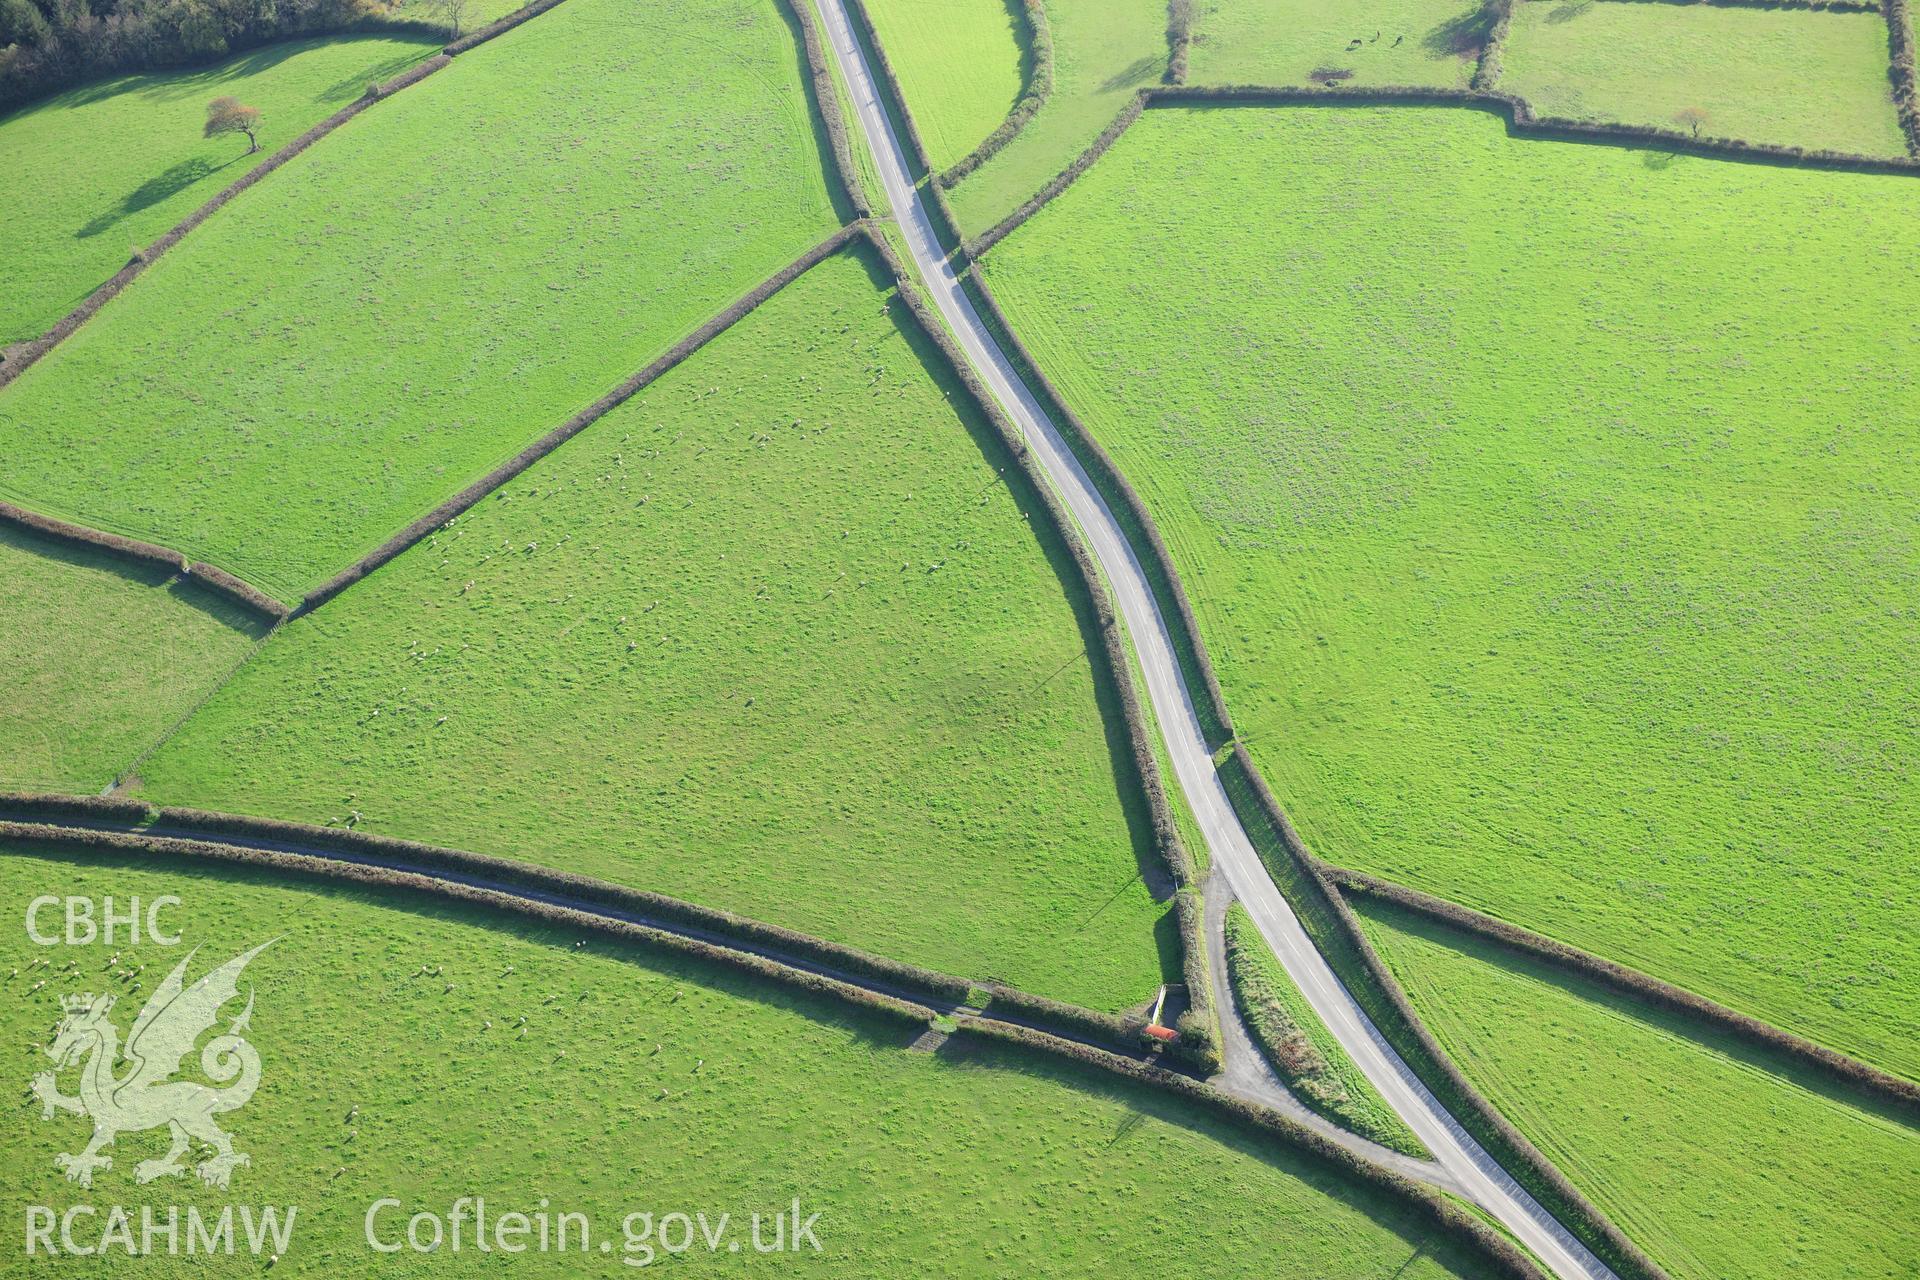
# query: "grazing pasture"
1303,1052
100,658
1794,77
773,636
90,175
961,65
1104,51
1688,1140
1548,512
1296,42
646,1082
440,281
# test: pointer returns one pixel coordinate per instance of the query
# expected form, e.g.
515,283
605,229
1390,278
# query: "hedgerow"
1179,39
282,863
1039,89
1062,180
1387,1003
1641,986
1111,665
449,510
1906,81
144,553
1125,503
1503,1257
827,102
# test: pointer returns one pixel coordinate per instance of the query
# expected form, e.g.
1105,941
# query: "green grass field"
1303,1052
960,66
100,660
1104,51
1548,511
88,176
442,280
1687,1140
769,637
1433,42
1795,77
970,1160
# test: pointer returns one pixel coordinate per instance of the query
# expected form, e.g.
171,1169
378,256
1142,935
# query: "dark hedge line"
1499,16
115,809
1848,1071
1822,6
1039,89
1125,503
863,24
1120,1033
1502,1256
50,47
1906,81
1179,40
499,26
145,553
1410,1037
1521,122
20,357
1062,180
220,580
453,507
1111,658
115,842
827,102
565,884
945,225
16,359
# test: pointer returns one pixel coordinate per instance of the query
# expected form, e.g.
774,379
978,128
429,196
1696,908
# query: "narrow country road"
1468,1169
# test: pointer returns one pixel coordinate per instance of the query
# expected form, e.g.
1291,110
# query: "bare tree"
230,115
454,11
1691,118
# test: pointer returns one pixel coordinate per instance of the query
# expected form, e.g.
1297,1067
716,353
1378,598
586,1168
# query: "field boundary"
150,555
1816,6
946,226
1507,1259
22,356
1402,1027
1131,510
1516,112
1200,1038
117,819
1906,81
826,101
1880,1085
466,498
1486,68
1179,40
1039,88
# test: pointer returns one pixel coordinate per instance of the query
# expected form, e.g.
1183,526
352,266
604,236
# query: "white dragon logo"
147,1097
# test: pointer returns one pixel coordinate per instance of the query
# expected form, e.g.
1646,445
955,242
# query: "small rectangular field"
93,174
1298,42
442,280
1548,512
1104,51
774,636
962,65
100,659
1687,1139
1791,77
615,1079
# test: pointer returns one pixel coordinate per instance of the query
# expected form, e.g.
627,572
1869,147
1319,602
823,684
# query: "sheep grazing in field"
354,1111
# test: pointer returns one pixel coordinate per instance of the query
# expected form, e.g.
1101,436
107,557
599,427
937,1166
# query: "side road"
1476,1174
